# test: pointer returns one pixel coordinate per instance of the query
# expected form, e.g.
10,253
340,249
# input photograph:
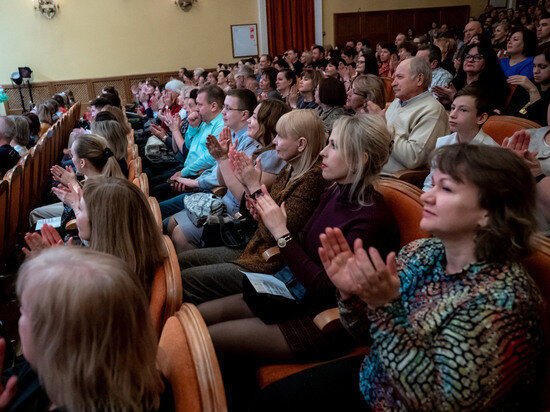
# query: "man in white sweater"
417,118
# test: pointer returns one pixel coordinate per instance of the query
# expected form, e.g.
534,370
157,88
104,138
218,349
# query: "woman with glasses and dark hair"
479,67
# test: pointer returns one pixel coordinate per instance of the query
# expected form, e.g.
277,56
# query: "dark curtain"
290,24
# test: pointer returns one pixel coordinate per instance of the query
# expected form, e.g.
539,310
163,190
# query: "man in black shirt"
318,54
8,155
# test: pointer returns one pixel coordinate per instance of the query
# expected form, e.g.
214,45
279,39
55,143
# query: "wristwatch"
283,240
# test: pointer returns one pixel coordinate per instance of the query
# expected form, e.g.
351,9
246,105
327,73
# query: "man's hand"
194,119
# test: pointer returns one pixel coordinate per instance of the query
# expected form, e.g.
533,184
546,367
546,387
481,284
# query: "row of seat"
187,357
23,185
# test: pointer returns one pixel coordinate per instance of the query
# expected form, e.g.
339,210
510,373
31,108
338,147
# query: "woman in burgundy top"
353,206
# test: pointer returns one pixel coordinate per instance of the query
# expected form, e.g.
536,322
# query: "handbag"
220,230
268,303
200,206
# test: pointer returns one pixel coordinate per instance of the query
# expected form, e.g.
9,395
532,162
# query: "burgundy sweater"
373,223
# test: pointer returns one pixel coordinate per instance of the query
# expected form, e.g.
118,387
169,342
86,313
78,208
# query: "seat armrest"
328,320
411,175
219,191
71,225
271,254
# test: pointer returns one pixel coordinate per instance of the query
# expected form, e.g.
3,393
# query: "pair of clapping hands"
519,144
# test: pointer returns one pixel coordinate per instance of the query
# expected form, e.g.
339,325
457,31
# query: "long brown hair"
269,113
123,225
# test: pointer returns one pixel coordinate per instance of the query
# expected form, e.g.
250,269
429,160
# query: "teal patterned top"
464,341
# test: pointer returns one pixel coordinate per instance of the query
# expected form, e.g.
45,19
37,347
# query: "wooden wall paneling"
375,27
116,82
401,20
423,20
349,27
455,15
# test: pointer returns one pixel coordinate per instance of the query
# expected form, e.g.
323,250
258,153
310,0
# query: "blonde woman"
115,135
207,273
91,156
86,336
358,148
121,118
448,49
366,88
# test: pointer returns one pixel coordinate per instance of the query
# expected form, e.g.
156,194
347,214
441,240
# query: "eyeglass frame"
227,108
474,57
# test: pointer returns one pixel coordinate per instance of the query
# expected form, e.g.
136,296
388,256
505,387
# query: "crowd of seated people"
286,152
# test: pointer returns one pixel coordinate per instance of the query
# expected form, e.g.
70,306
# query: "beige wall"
338,6
100,38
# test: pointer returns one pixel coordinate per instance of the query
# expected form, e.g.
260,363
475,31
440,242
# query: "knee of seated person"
170,225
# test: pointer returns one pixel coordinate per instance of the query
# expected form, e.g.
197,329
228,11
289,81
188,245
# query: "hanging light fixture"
48,8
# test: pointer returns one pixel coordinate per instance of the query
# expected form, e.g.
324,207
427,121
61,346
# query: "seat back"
37,151
155,208
187,359
4,201
131,170
538,266
403,199
500,127
388,89
26,162
143,183
167,290
14,177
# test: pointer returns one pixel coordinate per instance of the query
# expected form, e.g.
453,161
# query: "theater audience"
239,328
207,273
416,116
543,28
464,285
500,37
79,311
113,132
448,50
406,50
8,155
286,79
318,57
388,60
292,57
34,128
268,84
305,99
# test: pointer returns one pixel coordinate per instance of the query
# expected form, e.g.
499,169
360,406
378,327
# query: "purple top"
373,223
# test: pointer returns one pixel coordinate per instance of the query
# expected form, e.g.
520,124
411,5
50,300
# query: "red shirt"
174,109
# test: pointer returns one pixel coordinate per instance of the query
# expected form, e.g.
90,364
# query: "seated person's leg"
45,212
163,191
204,283
224,309
185,236
207,256
172,206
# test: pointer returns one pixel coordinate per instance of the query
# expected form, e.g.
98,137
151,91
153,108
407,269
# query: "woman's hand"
519,144
8,392
273,216
243,167
47,237
173,122
251,206
377,281
292,98
335,253
219,148
522,81
373,108
69,195
445,94
180,184
65,176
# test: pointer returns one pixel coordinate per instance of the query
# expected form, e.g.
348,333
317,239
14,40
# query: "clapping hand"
359,273
157,131
70,195
373,108
47,237
445,94
273,216
219,148
65,176
292,98
245,171
519,144
6,392
174,122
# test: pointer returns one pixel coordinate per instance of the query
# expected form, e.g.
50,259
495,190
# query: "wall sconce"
48,8
185,5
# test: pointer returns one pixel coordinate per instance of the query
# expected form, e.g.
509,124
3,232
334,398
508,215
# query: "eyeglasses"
227,108
474,57
359,94
360,61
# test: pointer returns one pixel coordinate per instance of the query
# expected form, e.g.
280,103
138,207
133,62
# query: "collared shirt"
481,138
199,158
413,99
440,77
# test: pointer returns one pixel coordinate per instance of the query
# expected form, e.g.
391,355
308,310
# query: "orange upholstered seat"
500,127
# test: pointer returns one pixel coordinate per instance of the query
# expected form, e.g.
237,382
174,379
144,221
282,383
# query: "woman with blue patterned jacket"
455,322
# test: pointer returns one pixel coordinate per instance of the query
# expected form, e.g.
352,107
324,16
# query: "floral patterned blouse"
463,341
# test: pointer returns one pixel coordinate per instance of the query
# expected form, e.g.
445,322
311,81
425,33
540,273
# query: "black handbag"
224,231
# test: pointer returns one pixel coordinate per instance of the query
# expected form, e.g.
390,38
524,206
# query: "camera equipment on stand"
17,79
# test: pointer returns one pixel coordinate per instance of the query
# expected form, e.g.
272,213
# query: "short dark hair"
529,40
364,42
409,46
247,99
390,47
332,92
100,102
282,63
483,105
320,48
544,16
289,75
268,57
34,123
544,49
214,94
110,89
193,94
434,53
104,116
59,99
349,51
271,74
506,190
113,99
188,73
336,61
